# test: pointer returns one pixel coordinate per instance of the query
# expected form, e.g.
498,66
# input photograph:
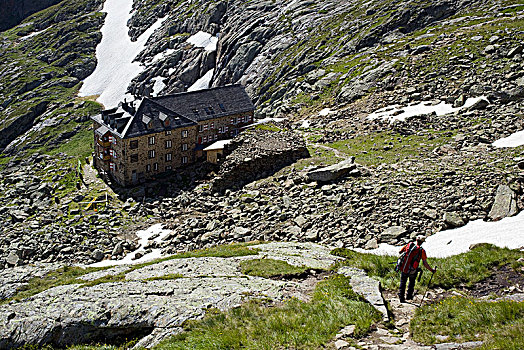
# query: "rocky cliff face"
14,11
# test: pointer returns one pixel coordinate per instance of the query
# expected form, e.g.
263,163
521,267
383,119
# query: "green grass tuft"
459,270
465,319
294,325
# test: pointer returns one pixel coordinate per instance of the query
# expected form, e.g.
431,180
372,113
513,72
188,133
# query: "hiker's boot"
401,298
409,297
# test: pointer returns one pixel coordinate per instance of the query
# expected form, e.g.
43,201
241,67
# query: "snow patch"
143,236
203,82
325,112
396,112
158,86
513,140
115,55
204,40
162,55
506,233
269,120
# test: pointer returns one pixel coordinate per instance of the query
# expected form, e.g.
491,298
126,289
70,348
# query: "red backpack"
407,259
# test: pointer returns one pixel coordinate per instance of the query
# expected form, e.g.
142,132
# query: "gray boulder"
505,204
332,172
97,255
392,233
453,219
13,258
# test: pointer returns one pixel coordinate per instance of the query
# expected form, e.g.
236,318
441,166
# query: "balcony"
104,144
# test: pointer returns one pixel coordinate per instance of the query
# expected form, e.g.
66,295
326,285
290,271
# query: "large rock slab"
298,254
505,204
152,302
366,286
13,279
332,172
74,314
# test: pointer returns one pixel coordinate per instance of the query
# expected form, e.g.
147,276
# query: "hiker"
408,266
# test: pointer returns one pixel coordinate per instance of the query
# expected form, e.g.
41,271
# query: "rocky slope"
423,175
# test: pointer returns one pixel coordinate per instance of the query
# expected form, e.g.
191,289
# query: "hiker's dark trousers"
411,286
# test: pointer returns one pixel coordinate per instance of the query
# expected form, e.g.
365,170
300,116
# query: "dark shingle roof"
209,103
178,110
151,112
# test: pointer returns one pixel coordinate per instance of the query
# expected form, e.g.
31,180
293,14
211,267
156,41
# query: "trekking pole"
427,288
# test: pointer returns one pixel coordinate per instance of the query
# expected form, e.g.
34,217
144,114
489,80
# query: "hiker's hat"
421,238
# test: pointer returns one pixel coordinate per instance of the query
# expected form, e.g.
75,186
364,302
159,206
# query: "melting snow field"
115,54
203,39
508,232
143,237
396,112
203,82
513,140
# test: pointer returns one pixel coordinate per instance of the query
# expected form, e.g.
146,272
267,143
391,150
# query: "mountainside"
297,58
379,120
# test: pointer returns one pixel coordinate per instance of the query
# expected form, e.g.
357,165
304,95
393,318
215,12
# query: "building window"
248,118
200,128
168,167
184,147
166,122
184,160
212,126
220,130
133,144
184,133
150,125
134,158
222,108
151,154
148,168
151,140
168,157
204,139
169,143
168,132
155,166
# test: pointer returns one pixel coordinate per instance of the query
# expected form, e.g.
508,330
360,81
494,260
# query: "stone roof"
152,117
158,114
207,104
